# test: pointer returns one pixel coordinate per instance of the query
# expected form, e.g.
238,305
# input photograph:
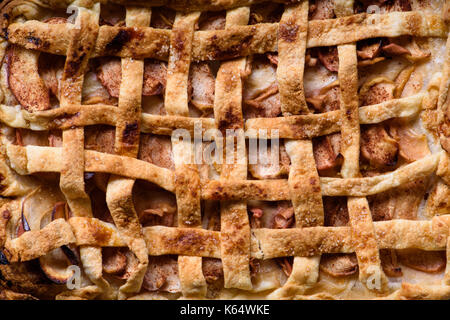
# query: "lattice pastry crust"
91,92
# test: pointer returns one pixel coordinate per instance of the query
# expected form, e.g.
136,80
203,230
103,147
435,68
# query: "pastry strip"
83,38
290,127
292,34
32,159
34,244
235,227
303,181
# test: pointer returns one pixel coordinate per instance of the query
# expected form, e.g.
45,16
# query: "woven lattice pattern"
236,243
